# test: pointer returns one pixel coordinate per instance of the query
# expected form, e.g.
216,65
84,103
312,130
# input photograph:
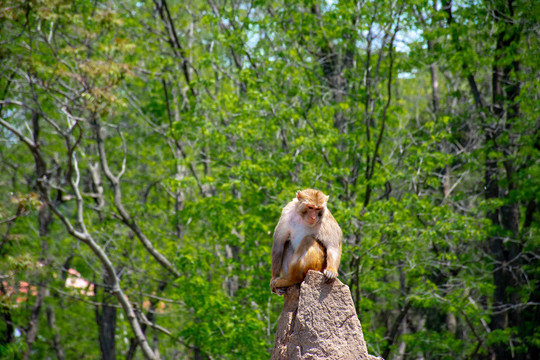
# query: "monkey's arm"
333,258
331,238
281,235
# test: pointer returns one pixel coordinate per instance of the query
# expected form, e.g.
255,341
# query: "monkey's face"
313,214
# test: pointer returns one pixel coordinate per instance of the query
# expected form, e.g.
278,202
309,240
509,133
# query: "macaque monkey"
307,237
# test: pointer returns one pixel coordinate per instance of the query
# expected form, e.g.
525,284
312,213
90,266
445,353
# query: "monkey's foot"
277,290
330,275
281,291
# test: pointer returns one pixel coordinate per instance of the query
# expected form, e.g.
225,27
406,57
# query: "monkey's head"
311,205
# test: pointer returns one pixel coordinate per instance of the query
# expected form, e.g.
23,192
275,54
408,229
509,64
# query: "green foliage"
213,114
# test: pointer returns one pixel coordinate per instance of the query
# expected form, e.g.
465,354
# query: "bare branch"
124,215
16,132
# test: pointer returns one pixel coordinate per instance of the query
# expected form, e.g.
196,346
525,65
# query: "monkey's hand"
330,275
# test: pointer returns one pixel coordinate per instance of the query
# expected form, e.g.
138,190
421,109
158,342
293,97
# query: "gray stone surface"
319,321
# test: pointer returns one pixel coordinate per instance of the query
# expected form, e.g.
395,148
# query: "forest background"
147,148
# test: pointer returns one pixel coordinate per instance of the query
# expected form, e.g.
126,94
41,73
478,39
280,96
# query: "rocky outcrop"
319,321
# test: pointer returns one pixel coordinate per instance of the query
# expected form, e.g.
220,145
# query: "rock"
319,321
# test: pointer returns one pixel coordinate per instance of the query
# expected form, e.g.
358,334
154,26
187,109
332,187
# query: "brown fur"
314,259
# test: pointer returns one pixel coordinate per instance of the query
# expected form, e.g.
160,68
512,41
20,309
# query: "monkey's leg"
292,277
308,256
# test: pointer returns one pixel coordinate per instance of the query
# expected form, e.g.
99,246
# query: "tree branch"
124,215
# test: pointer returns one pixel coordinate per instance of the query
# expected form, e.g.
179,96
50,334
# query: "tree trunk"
44,221
51,319
31,332
106,320
6,315
504,244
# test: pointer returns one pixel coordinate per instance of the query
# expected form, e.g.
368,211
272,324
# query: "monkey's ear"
300,195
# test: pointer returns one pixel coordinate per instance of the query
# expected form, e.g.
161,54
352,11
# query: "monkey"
307,237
